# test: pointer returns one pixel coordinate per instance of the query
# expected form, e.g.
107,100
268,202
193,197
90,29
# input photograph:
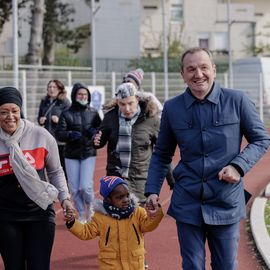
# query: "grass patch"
267,216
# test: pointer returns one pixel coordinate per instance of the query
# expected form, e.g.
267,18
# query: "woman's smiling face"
10,116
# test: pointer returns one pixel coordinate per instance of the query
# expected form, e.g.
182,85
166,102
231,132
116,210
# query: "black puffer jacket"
83,119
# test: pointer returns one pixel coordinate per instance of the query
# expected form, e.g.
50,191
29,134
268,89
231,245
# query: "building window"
150,7
204,43
203,40
177,10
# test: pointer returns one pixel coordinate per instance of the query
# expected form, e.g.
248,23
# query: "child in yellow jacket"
120,224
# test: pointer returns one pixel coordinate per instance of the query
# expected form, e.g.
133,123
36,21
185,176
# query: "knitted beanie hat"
125,90
136,75
109,183
10,95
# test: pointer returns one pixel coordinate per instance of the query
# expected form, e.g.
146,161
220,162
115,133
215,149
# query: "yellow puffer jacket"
121,242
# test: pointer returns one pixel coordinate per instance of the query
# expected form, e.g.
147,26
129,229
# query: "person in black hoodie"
76,128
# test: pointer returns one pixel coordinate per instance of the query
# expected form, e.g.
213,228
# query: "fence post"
24,86
225,80
69,77
261,96
153,79
113,84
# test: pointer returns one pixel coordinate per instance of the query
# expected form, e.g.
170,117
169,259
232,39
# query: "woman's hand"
42,120
55,119
68,210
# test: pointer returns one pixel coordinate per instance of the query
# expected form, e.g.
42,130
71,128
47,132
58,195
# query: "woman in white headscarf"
27,216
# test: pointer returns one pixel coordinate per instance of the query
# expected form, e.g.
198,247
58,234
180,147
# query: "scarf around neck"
41,192
124,143
119,213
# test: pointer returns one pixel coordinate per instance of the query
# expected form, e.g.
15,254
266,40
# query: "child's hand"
69,215
150,206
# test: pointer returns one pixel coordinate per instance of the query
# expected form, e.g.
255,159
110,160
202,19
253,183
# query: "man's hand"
229,174
97,138
151,205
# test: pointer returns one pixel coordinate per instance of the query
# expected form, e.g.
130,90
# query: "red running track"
70,253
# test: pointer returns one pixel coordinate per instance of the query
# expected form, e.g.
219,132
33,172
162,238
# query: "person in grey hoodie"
31,179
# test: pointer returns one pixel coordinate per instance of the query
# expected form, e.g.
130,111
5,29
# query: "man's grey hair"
194,50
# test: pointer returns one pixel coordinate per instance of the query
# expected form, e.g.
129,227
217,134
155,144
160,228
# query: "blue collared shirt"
208,133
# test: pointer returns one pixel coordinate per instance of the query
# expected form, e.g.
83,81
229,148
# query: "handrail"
53,67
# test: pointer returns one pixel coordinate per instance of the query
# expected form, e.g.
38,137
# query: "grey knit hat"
125,90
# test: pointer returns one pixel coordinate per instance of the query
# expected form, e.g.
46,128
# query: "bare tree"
35,44
56,29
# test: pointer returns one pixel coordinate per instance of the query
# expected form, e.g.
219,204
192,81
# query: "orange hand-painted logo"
35,157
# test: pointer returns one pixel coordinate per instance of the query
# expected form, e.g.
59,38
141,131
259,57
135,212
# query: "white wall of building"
117,29
128,29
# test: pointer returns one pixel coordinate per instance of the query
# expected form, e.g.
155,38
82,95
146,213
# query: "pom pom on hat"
125,90
109,183
136,75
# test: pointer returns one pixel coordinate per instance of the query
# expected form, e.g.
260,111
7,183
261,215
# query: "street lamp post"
15,43
229,44
165,51
93,35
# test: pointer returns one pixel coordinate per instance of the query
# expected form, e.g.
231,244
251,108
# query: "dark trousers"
61,149
222,241
26,245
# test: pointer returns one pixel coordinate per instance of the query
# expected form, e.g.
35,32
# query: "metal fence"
33,84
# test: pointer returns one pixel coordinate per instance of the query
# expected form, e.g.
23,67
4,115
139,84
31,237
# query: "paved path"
70,253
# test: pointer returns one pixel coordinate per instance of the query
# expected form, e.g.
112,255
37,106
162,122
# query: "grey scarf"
41,192
124,144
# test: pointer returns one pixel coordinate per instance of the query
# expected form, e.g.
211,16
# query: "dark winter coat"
83,119
144,135
60,105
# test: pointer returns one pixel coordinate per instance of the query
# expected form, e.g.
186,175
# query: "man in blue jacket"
208,199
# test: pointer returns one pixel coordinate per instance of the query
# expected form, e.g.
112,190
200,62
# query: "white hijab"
41,192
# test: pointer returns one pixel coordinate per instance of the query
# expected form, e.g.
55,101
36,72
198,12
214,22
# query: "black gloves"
75,135
91,132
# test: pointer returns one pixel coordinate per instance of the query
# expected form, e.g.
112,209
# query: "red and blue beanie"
109,183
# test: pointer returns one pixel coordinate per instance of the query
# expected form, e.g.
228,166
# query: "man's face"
198,73
128,106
